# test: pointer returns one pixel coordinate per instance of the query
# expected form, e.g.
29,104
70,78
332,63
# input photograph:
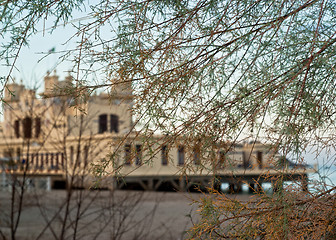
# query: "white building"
74,139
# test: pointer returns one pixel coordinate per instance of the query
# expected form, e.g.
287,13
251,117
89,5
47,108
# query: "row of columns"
183,184
48,161
256,187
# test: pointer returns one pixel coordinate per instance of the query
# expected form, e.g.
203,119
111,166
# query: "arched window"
102,123
27,127
114,122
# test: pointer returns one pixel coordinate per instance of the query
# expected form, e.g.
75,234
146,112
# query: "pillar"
304,183
259,187
150,184
231,188
277,185
251,186
182,184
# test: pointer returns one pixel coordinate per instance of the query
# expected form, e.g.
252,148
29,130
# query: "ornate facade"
71,137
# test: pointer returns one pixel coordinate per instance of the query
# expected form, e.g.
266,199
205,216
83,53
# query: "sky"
38,58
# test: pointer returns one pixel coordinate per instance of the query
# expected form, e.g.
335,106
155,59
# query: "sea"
323,179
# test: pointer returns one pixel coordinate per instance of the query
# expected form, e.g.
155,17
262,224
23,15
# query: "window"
245,161
128,157
37,127
180,153
138,157
27,127
18,153
259,159
197,155
102,123
114,122
9,153
222,159
17,128
164,155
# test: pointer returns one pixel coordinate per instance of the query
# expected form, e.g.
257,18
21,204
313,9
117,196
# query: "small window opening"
102,123
17,128
138,157
128,157
37,127
259,159
222,159
246,161
180,155
164,155
27,127
197,155
114,122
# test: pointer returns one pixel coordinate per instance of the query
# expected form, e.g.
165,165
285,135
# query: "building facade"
78,139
